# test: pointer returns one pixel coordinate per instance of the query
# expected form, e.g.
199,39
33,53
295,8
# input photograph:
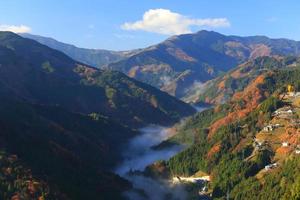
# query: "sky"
131,24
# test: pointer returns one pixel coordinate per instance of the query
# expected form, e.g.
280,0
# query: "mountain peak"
207,32
7,35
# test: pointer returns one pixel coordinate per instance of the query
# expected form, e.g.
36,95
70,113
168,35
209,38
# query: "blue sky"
102,23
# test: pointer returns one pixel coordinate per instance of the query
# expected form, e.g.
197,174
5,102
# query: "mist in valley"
138,154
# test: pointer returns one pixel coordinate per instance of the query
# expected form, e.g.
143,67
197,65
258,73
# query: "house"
268,128
297,151
277,112
271,127
277,125
284,110
285,144
271,166
258,145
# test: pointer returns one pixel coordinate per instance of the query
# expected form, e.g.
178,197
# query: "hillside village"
282,134
253,139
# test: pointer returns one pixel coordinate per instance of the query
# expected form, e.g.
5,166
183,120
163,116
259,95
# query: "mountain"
93,57
232,143
221,89
42,75
47,150
71,154
64,124
184,62
181,63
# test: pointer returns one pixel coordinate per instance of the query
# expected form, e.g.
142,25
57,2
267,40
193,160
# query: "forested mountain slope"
221,89
183,62
71,152
249,145
46,76
66,122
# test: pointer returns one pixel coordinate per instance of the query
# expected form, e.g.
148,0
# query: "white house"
271,127
268,128
271,166
297,151
285,110
277,125
285,144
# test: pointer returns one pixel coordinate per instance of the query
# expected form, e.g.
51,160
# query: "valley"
73,131
138,155
67,122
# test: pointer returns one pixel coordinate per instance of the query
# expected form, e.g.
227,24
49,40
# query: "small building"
297,151
285,144
277,125
258,144
271,127
283,110
268,128
271,166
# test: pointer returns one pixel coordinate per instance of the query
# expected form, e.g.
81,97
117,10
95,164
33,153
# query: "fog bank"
138,155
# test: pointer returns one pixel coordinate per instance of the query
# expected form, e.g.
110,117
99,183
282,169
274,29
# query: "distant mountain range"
183,62
94,57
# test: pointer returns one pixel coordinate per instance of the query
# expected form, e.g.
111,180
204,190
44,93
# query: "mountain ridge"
93,57
41,74
181,62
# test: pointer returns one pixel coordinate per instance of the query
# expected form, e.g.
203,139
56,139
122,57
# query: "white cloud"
166,22
15,29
